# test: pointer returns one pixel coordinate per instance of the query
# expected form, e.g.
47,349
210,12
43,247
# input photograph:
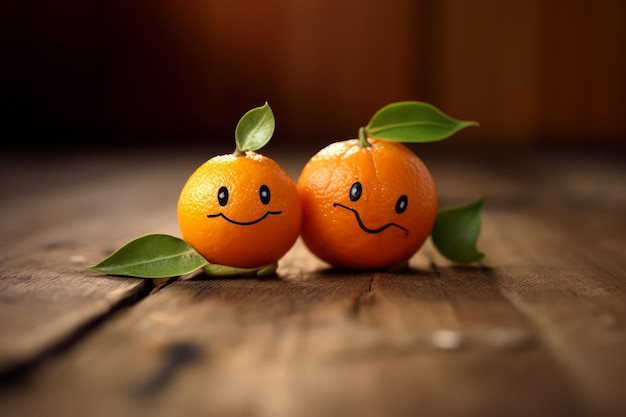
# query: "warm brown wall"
325,67
528,70
550,70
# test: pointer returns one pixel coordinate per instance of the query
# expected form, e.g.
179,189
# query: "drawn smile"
260,219
367,229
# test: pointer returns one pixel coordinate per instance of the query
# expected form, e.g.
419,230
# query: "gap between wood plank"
21,369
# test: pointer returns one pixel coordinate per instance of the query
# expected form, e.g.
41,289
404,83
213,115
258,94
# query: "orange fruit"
366,207
241,211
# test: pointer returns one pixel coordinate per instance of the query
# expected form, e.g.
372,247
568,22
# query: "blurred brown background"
148,72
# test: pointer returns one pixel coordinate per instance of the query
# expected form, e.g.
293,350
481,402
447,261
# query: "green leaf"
152,256
255,129
413,121
224,270
456,231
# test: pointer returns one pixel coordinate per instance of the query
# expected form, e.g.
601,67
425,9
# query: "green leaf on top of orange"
412,122
255,129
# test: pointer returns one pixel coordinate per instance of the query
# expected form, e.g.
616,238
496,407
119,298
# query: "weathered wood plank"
573,287
559,258
315,344
322,344
43,311
536,329
60,214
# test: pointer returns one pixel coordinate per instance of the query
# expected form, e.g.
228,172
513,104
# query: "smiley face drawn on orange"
241,211
366,207
265,197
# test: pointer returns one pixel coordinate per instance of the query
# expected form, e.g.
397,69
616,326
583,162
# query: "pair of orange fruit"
363,203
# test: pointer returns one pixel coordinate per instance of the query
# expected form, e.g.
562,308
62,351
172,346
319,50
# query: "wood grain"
537,328
61,213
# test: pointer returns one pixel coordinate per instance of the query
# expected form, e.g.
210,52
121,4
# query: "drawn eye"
264,194
222,196
402,204
355,191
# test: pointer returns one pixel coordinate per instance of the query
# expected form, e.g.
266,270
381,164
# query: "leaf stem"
363,138
238,152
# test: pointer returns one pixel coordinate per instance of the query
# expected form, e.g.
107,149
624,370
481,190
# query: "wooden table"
537,328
